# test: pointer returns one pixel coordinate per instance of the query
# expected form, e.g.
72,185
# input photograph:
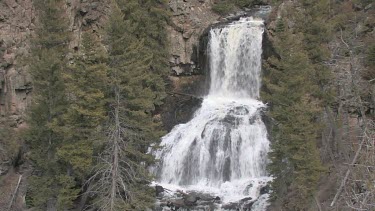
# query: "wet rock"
239,110
253,119
231,120
248,206
230,206
248,187
176,204
246,199
243,204
159,189
265,189
191,200
217,199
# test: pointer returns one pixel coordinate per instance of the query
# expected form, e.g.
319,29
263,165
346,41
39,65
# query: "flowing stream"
223,149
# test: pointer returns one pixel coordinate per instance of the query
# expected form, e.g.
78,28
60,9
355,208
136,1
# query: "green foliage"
137,61
146,20
370,58
296,87
246,3
224,7
86,81
76,101
295,158
9,143
280,26
42,191
67,110
369,73
49,103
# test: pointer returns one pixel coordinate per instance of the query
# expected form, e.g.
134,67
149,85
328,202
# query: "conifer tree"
147,21
136,87
50,185
295,161
86,81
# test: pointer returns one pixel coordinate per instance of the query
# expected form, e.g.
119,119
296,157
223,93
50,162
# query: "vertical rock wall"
17,23
189,19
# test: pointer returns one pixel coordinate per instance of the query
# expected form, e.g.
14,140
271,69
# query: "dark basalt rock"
231,120
265,189
246,199
239,110
194,200
191,200
158,190
231,206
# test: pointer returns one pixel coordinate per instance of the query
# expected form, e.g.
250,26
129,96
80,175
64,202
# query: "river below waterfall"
222,151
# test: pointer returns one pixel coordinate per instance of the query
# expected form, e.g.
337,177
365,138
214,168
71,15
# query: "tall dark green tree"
295,161
86,82
50,185
147,21
137,64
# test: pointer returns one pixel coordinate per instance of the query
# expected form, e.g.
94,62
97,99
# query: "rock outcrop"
189,19
17,23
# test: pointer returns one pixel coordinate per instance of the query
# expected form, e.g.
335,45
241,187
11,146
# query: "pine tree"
295,161
50,186
121,181
86,81
147,21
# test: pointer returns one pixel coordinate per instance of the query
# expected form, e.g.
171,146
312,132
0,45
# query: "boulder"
265,190
159,189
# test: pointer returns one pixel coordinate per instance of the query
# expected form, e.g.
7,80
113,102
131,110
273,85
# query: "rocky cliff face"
17,23
189,20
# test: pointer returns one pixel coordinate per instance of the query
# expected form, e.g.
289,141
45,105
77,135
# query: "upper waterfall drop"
223,149
235,53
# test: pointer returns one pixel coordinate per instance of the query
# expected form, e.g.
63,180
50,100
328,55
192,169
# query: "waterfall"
223,149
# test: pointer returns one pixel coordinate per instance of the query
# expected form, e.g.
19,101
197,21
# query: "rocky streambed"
179,199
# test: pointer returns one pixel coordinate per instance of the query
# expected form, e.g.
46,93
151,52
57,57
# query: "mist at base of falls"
222,150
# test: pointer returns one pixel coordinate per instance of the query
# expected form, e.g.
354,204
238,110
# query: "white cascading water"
223,149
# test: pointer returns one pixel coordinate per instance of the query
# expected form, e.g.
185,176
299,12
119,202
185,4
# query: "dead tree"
358,183
114,170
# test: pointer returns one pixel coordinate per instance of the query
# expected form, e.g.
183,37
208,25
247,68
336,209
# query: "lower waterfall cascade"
222,150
